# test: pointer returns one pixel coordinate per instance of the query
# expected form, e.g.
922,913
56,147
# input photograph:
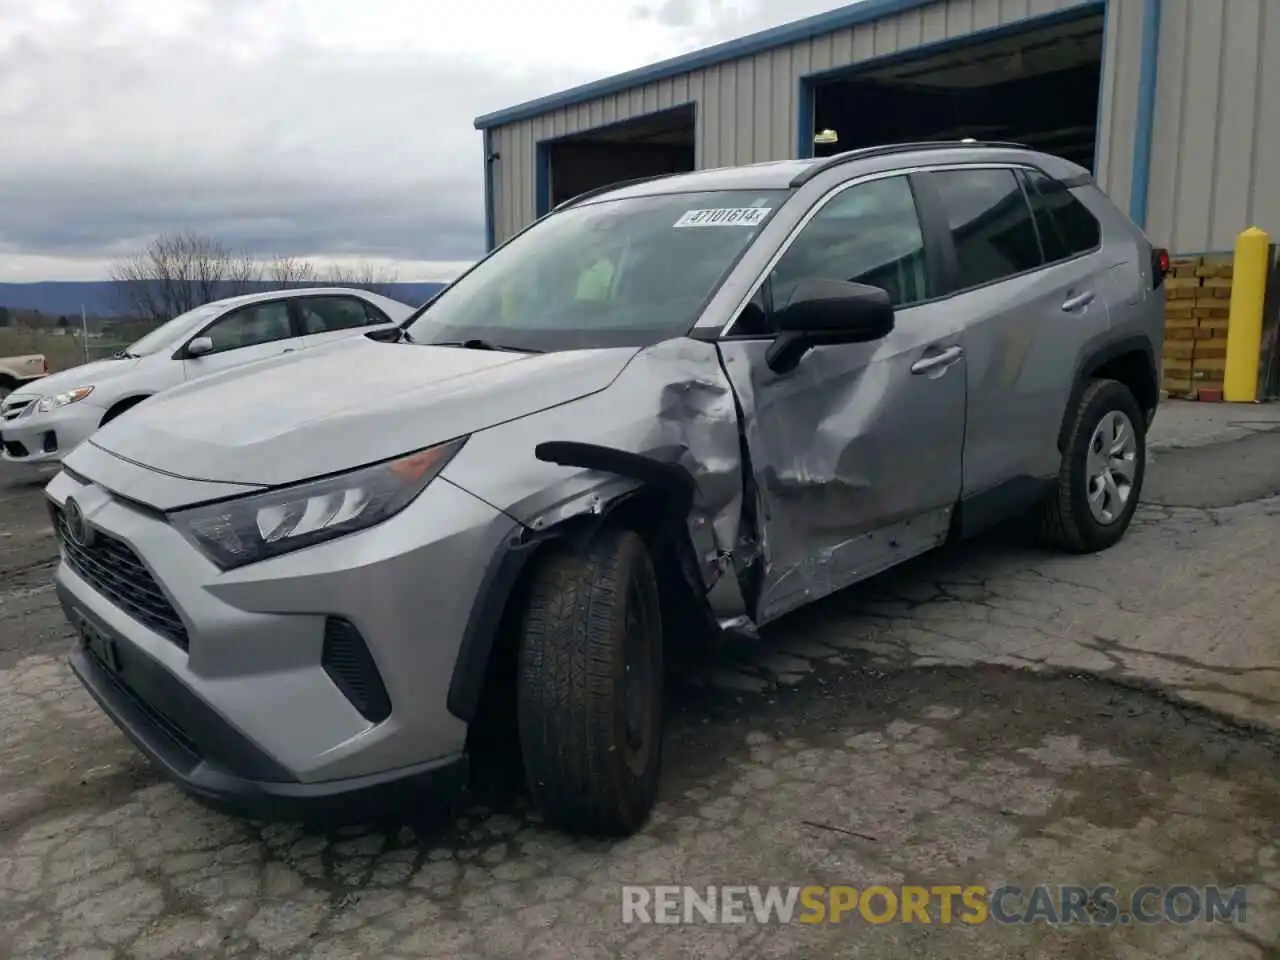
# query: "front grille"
114,570
349,664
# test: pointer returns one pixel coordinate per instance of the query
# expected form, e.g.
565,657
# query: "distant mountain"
100,298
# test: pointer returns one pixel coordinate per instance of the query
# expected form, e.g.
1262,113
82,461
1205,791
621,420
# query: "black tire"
7,387
1065,520
592,755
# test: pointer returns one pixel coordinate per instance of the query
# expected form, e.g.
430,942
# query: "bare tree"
290,272
178,272
244,274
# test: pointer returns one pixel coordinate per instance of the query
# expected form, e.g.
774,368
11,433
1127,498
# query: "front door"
856,453
254,332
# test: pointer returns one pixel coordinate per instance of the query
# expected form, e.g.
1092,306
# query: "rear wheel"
1102,470
589,699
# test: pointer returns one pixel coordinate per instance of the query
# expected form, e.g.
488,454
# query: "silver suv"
669,410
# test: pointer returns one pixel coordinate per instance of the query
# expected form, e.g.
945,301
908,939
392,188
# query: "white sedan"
44,420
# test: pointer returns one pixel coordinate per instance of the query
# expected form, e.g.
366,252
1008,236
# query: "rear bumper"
217,766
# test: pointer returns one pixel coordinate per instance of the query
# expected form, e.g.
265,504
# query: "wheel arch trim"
1090,362
675,488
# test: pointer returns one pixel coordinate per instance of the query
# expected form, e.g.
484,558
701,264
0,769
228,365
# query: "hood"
85,375
341,406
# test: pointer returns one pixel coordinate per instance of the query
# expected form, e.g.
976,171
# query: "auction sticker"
724,217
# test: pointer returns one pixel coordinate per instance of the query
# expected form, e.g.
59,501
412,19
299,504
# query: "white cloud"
324,128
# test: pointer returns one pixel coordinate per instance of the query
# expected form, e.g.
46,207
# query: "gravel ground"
990,714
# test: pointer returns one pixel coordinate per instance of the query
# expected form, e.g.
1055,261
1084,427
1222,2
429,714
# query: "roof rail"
606,188
888,149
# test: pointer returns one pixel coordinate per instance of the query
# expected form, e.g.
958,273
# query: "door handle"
288,349
937,361
1077,301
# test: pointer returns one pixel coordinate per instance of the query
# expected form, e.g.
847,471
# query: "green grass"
65,352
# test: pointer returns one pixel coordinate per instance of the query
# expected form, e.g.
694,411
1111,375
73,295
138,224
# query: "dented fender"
668,424
671,412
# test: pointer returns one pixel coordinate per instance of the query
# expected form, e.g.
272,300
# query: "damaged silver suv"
669,410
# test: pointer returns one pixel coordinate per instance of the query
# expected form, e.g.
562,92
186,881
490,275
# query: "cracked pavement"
991,713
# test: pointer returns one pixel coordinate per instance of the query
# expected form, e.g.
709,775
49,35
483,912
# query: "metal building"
1166,100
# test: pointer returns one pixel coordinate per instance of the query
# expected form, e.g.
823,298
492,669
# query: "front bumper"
229,692
45,438
144,704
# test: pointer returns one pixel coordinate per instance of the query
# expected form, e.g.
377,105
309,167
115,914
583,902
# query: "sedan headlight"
45,404
233,533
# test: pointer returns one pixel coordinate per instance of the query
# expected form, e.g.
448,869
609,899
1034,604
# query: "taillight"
1159,266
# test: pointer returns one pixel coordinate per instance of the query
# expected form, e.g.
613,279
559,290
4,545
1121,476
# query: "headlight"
236,532
45,404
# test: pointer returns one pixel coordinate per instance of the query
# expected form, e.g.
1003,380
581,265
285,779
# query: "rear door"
325,318
254,332
1026,312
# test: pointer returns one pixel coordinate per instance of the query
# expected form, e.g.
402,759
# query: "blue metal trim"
805,115
542,178
848,16
1140,181
489,231
804,119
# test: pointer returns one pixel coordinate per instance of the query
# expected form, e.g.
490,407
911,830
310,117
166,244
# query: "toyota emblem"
78,530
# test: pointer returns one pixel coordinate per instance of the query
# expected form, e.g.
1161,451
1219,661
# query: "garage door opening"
1038,87
647,146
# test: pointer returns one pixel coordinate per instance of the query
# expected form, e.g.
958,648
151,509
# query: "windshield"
166,334
616,273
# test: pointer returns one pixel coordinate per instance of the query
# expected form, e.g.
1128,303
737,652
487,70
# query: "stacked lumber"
1197,307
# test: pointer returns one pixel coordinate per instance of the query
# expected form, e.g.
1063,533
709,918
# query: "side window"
869,233
330,314
372,315
1067,226
250,326
990,222
754,320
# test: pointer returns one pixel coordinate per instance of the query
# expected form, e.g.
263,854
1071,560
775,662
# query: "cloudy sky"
337,130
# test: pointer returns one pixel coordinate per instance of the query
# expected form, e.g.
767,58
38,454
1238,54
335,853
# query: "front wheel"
589,699
1103,466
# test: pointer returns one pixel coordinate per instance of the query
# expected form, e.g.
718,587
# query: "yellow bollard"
1244,329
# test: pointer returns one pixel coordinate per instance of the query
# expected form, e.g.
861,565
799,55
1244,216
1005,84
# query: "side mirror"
199,347
822,312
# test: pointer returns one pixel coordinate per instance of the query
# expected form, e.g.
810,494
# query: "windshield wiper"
124,355
476,343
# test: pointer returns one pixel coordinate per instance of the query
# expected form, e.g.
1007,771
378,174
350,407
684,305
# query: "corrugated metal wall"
747,108
1215,125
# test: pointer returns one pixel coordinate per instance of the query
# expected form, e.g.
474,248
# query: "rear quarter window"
1067,227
